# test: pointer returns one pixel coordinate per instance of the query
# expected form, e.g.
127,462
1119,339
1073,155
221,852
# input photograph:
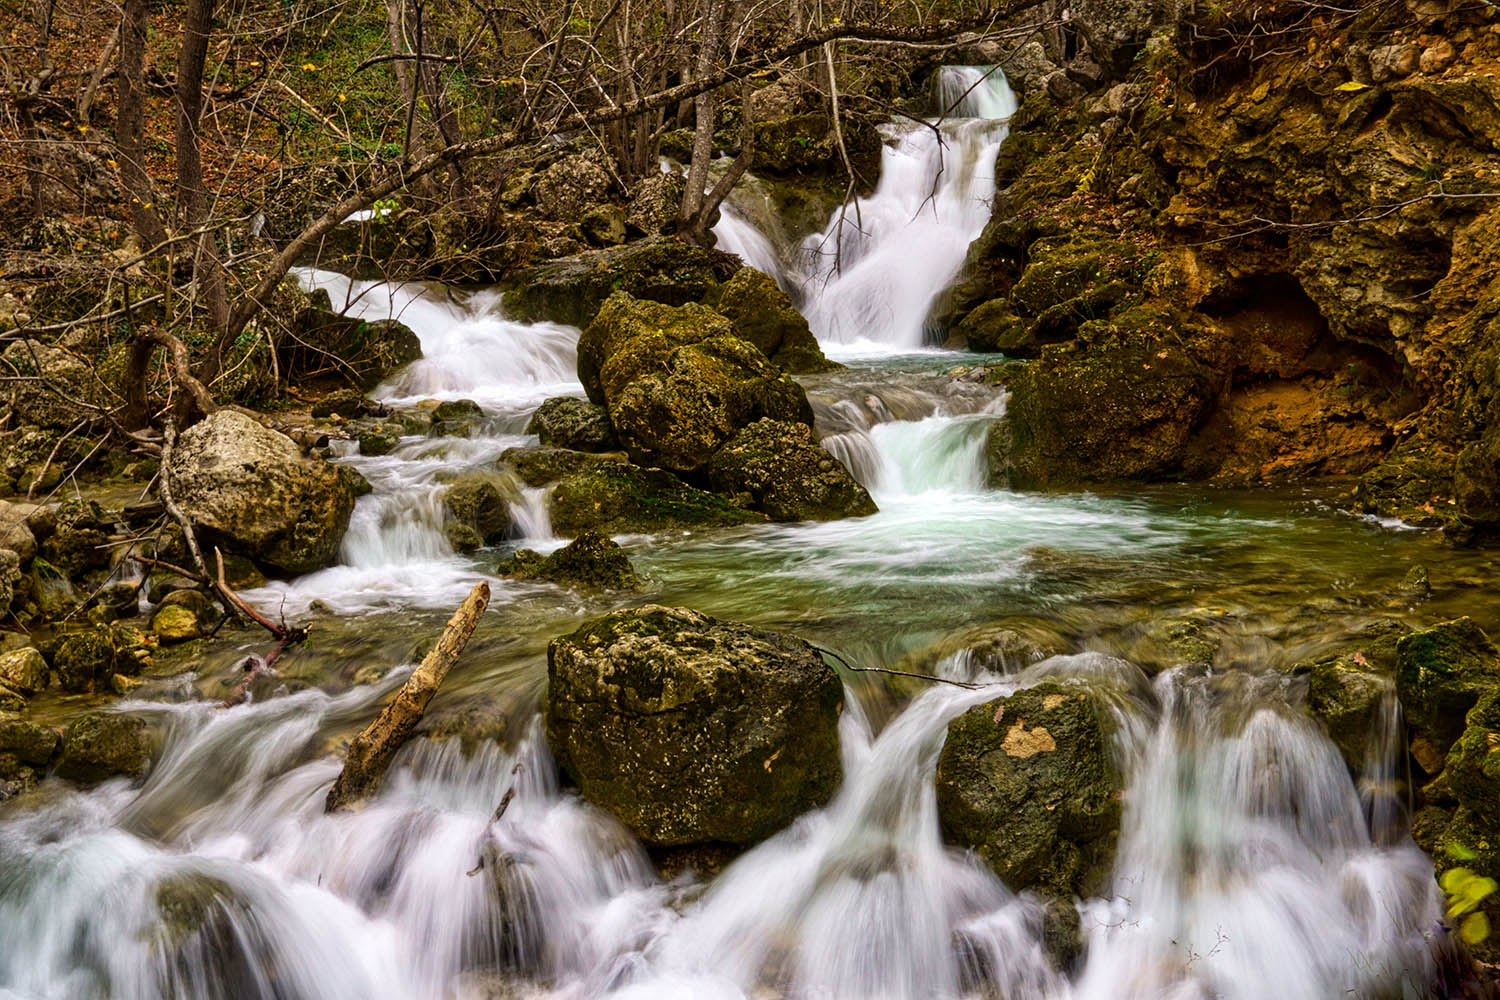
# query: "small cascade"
868,281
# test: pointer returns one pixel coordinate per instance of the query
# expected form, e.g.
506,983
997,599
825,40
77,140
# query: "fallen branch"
897,673
371,752
286,633
254,667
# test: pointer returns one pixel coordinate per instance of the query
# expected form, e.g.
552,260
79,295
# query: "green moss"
1441,672
589,562
764,316
620,499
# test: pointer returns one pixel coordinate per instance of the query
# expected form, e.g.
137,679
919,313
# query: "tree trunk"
710,42
130,126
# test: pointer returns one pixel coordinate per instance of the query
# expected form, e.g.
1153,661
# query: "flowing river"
1251,863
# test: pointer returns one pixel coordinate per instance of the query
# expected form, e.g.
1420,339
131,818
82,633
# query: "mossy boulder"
1124,410
571,289
476,502
331,347
1348,698
763,315
1441,672
24,670
622,499
48,386
540,466
252,491
775,467
103,745
85,661
31,742
589,562
174,623
993,327
1028,783
569,422
677,383
1471,773
568,187
690,729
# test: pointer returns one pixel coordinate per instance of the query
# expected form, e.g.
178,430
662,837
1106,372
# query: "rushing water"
1251,863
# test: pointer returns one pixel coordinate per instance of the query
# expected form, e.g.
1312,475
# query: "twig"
896,673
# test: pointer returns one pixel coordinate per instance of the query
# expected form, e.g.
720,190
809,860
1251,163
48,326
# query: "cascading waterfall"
1250,864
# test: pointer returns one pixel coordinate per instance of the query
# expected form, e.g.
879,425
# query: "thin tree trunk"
710,41
192,198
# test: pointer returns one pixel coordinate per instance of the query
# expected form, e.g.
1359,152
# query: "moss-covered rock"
622,499
330,347
1349,700
174,623
476,502
763,315
540,466
589,562
994,327
250,490
687,728
31,742
48,386
1027,782
571,289
1441,672
85,661
577,424
1471,773
778,470
677,383
103,745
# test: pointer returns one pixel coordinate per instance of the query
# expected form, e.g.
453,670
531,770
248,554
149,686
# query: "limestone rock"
1028,783
569,186
31,742
691,729
786,476
174,623
540,466
103,745
569,422
52,386
654,204
589,562
1441,672
622,499
763,315
24,670
251,490
475,501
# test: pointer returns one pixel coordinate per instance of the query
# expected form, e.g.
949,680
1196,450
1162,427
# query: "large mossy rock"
48,386
1441,672
577,424
571,289
779,470
1100,413
477,503
677,382
540,466
1027,782
590,562
252,490
617,498
104,745
691,729
763,314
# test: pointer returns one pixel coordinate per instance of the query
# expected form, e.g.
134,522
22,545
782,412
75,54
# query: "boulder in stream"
1027,782
590,562
780,471
103,745
476,503
677,382
1441,672
690,729
577,424
251,490
763,314
618,498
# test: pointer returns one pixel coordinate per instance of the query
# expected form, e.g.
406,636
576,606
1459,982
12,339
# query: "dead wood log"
371,752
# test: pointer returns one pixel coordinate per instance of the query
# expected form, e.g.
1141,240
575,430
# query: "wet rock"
778,470
540,466
476,502
993,327
571,289
195,601
251,490
677,383
85,661
1441,672
603,225
24,670
763,315
10,579
1416,583
378,442
569,422
566,188
689,729
174,623
654,204
1471,773
619,499
589,562
339,349
31,742
463,537
346,403
166,584
15,533
103,745
1348,694
118,600
1027,782
80,540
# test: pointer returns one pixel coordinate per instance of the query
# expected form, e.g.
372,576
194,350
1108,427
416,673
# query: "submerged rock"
103,745
251,490
1028,783
590,562
782,473
620,499
687,728
577,424
677,383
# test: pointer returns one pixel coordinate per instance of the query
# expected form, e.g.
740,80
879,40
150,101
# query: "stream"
1251,863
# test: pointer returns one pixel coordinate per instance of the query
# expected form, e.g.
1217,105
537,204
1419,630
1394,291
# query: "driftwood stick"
254,667
234,602
371,752
896,673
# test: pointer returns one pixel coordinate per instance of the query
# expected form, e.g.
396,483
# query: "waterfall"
869,280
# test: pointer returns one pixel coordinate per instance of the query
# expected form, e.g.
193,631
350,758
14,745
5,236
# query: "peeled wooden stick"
371,752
